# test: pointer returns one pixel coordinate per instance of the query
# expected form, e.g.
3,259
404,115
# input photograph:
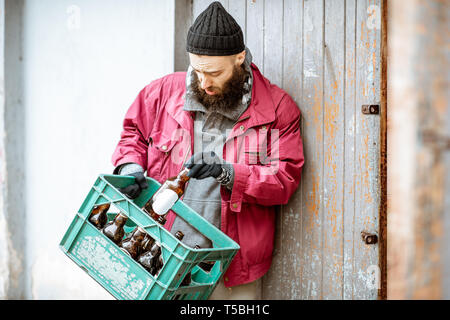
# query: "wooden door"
328,55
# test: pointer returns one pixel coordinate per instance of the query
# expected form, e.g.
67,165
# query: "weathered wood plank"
275,282
238,9
200,5
197,7
273,41
349,150
333,175
291,213
312,180
367,191
225,4
255,31
271,68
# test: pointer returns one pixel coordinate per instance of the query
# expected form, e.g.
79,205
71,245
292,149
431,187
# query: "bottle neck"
183,174
179,235
121,220
139,234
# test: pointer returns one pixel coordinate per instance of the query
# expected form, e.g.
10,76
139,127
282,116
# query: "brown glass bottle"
98,215
150,259
159,262
147,243
205,265
114,229
166,196
133,244
179,235
187,279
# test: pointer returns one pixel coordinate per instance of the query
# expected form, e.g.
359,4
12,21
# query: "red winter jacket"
265,147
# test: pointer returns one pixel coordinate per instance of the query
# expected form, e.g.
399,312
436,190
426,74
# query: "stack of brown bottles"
144,249
138,244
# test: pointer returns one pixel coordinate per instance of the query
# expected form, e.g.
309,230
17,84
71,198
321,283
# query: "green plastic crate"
124,277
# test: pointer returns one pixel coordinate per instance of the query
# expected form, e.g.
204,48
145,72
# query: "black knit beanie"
215,33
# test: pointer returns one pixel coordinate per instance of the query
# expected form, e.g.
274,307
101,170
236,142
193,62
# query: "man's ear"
240,57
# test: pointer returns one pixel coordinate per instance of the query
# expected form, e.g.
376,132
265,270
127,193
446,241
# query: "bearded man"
242,134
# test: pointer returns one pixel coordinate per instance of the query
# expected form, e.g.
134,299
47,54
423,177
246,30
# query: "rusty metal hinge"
369,238
371,109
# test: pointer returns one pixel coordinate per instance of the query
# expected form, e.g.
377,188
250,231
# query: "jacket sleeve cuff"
128,168
229,167
127,160
241,173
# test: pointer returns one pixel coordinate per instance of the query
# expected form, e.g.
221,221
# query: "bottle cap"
141,230
179,235
121,219
122,215
161,220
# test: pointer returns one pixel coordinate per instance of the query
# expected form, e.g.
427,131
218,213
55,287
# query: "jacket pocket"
252,147
161,161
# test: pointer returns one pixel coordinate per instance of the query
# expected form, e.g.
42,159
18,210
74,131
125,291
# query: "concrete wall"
73,67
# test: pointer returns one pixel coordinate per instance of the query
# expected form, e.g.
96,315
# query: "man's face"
213,72
218,81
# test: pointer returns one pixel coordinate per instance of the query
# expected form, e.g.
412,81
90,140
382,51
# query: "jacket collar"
262,107
260,111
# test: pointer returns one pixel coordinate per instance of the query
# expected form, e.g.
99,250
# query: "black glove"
203,165
134,190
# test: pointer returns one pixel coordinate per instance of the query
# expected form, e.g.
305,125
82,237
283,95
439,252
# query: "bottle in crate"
159,263
132,245
98,215
187,279
179,235
205,265
166,196
114,229
150,258
147,243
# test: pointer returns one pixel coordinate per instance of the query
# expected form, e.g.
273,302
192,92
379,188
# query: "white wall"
84,62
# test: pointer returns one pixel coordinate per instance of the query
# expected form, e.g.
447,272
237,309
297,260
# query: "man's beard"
228,98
